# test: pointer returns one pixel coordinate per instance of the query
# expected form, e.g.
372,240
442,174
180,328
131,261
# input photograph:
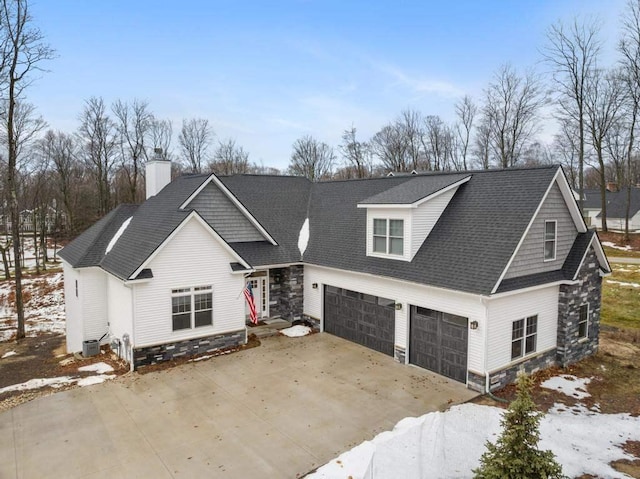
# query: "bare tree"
356,154
629,47
22,50
134,122
97,134
603,101
195,139
512,107
390,146
466,111
411,124
565,146
160,134
482,145
312,159
572,53
230,159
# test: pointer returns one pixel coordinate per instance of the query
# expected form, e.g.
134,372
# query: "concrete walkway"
613,259
275,411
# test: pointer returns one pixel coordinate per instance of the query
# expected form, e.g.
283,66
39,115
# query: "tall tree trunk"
603,190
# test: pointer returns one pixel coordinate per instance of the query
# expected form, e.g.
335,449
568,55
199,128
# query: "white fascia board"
213,178
385,205
192,216
417,203
569,199
531,288
526,232
396,280
602,258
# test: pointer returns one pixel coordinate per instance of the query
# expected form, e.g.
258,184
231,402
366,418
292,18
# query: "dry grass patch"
621,297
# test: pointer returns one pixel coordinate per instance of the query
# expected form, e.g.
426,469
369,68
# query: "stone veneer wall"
589,290
188,347
286,294
500,379
570,348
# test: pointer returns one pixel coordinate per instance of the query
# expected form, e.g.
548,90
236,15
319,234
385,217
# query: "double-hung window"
388,236
524,334
583,321
550,239
191,307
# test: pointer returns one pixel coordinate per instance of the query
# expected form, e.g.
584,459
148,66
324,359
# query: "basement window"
191,307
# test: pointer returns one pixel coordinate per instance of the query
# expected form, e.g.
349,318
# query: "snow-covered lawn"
44,306
615,246
449,444
622,283
38,383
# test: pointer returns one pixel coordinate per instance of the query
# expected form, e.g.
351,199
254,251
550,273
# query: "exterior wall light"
314,285
398,306
473,325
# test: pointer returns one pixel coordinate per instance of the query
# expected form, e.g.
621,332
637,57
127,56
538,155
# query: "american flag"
248,295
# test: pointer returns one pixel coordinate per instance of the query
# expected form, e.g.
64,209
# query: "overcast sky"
266,73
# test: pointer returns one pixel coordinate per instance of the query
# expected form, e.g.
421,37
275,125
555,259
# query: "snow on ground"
44,308
98,368
568,385
91,380
622,283
38,383
449,444
56,382
615,246
8,354
296,331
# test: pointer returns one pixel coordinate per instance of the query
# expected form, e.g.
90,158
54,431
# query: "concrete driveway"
278,411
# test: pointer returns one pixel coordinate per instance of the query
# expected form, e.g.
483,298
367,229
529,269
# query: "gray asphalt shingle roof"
467,250
417,188
617,206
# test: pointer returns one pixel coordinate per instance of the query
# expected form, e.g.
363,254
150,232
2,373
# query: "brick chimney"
158,173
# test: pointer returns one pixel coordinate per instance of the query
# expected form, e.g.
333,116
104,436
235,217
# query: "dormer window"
388,236
550,235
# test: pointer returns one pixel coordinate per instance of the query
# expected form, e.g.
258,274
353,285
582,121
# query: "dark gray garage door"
361,318
438,342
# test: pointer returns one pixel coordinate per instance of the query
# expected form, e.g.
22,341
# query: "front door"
259,287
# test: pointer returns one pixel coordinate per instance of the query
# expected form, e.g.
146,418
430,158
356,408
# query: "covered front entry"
362,318
438,342
260,289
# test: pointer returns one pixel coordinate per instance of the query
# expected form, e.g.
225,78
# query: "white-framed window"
388,236
191,307
550,239
524,333
583,321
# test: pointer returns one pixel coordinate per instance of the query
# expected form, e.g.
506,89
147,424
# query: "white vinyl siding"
94,302
73,307
504,311
120,311
407,294
530,258
192,258
425,217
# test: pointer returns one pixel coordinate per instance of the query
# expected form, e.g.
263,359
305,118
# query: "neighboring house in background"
616,208
471,275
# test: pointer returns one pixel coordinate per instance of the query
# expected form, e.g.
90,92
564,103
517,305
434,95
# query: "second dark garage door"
438,342
362,318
